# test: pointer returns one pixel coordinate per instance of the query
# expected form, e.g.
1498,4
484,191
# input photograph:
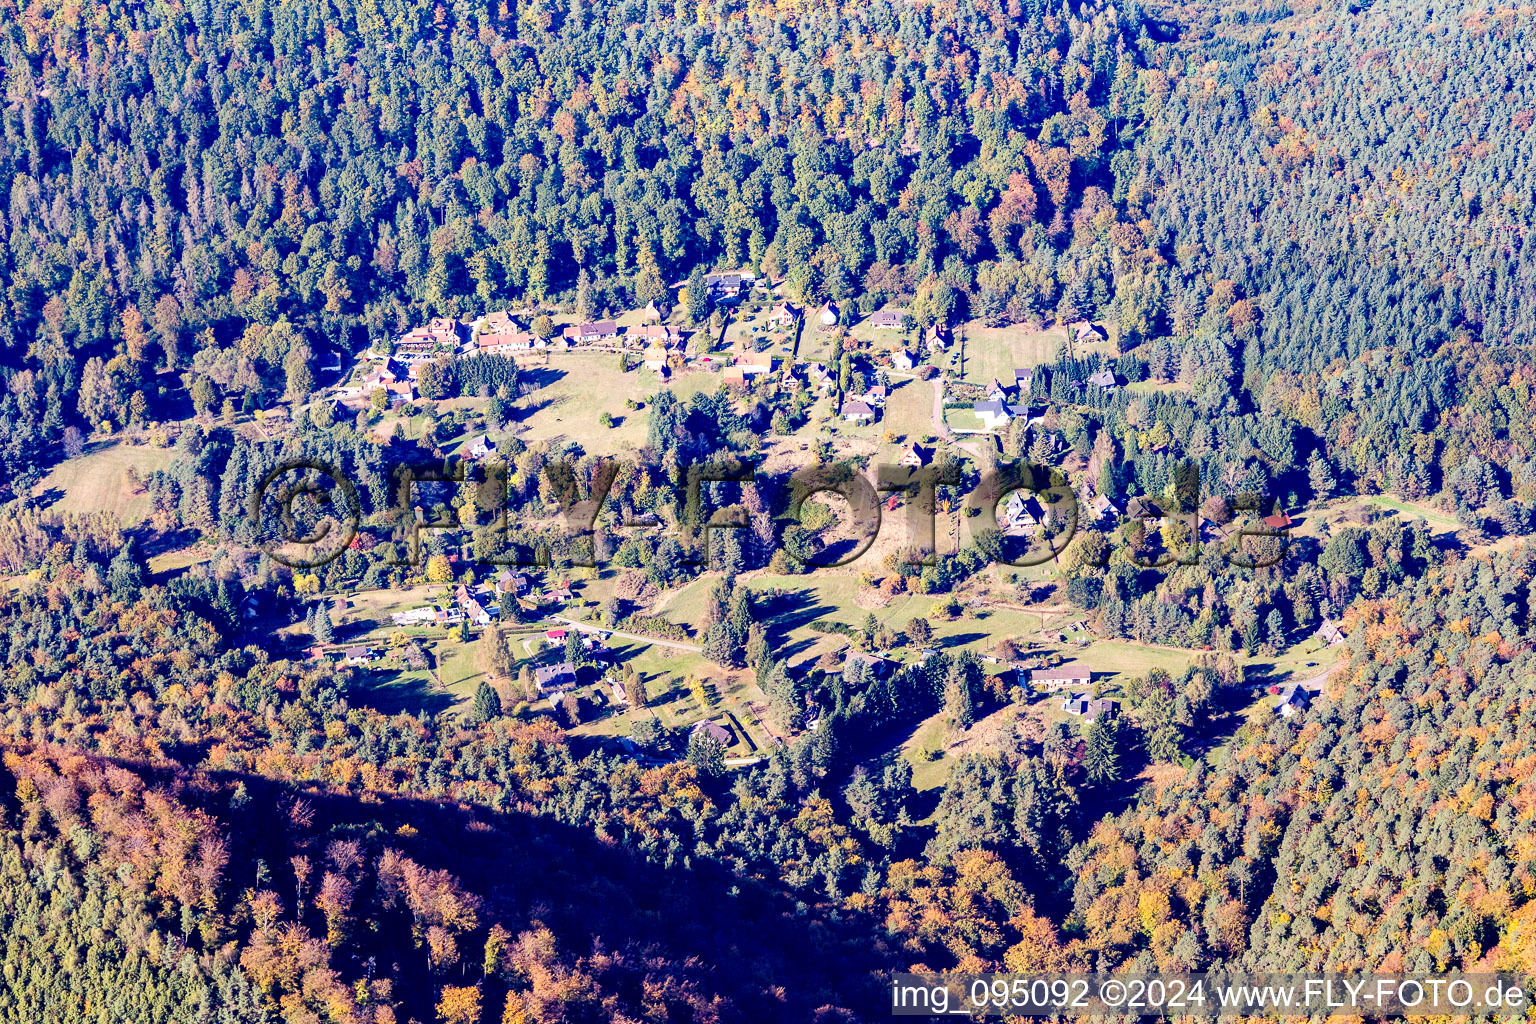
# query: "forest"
1307,224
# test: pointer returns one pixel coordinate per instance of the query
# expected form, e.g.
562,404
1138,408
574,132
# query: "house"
1023,380
855,411
1329,633
480,448
1293,701
501,344
727,287
818,376
1104,380
509,582
555,636
1278,521
714,730
654,312
1089,332
873,664
472,608
554,679
1145,511
413,617
903,360
734,376
587,334
996,392
655,334
887,320
499,322
994,413
560,593
1023,511
829,315
936,337
1075,674
655,357
619,694
913,457
753,363
875,397
1088,707
357,655
1101,509
783,315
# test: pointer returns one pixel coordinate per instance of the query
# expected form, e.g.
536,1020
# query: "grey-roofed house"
1293,701
1104,380
874,665
994,413
714,730
556,678
1087,706
1060,677
855,411
886,320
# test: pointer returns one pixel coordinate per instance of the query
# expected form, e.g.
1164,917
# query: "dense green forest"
1309,222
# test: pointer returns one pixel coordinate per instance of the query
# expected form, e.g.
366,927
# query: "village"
888,383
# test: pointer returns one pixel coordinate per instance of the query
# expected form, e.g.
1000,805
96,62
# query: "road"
1315,683
584,628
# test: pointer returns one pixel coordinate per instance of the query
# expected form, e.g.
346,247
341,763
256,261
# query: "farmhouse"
1075,674
887,320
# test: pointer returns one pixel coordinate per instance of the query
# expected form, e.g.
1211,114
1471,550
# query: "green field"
909,410
97,481
583,386
997,351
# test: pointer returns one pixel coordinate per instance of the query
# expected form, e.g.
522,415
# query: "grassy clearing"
97,481
997,351
909,410
963,419
1438,521
584,385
